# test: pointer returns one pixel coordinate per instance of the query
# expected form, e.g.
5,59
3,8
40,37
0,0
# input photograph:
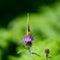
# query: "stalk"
46,57
29,51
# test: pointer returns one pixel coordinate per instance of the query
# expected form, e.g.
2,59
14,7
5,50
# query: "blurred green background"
45,28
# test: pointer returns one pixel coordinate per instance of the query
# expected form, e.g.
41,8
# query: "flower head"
28,38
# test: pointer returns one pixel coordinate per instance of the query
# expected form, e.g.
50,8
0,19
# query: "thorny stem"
29,51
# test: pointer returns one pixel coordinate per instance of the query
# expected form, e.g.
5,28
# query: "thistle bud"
47,51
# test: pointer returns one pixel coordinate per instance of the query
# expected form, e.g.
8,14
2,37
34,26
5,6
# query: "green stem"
29,51
46,57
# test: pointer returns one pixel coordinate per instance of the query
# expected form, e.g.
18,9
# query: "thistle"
28,38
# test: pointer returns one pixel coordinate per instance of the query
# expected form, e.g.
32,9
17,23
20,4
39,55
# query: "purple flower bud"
47,51
28,38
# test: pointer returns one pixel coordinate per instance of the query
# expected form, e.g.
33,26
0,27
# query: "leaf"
20,52
36,54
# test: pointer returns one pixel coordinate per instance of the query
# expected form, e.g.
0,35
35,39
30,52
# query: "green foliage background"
45,28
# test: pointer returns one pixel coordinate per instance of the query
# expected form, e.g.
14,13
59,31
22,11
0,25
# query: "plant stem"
46,57
29,51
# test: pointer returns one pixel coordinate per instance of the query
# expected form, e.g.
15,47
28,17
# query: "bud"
47,51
